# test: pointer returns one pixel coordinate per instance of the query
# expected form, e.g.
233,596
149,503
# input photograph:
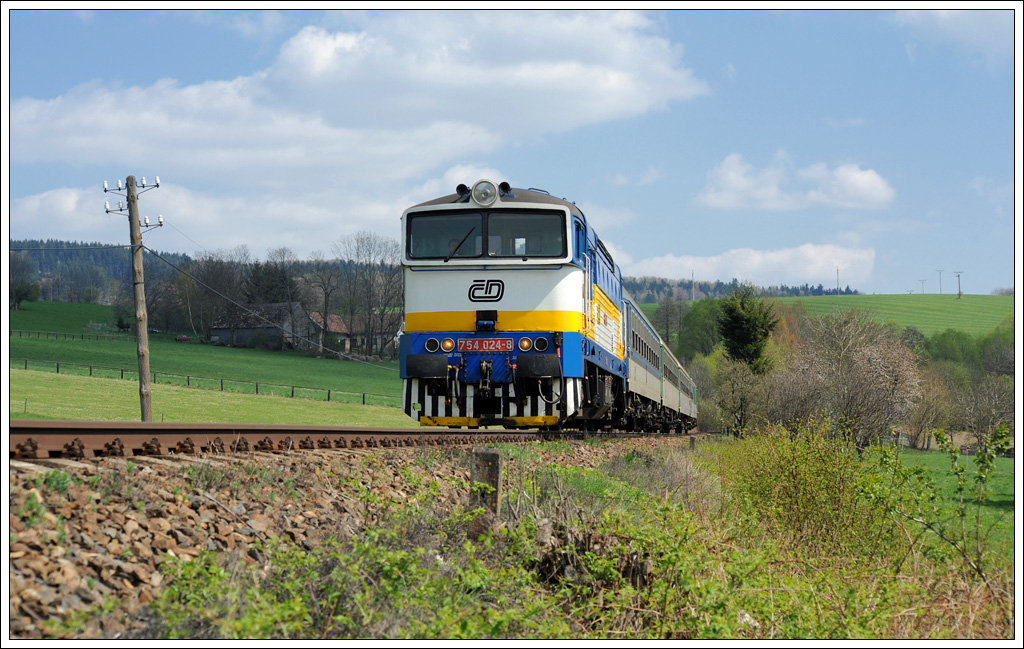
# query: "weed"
32,511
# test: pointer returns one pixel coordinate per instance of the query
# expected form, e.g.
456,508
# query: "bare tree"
287,265
983,403
214,280
868,380
372,279
324,280
930,412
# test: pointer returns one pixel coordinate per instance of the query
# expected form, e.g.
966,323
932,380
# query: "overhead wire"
262,318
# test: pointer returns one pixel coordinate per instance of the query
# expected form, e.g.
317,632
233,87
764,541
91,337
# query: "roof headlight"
485,192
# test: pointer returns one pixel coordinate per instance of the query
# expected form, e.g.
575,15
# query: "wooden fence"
210,383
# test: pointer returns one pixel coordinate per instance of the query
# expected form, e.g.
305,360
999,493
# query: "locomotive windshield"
489,233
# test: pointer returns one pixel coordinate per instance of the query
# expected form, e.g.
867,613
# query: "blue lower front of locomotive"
477,379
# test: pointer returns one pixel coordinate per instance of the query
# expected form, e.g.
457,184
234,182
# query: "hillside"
929,314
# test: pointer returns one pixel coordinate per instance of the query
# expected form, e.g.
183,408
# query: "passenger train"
515,316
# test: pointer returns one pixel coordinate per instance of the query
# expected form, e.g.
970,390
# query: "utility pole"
138,281
940,281
141,317
922,285
959,293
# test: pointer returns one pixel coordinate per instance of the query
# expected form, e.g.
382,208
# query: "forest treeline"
651,290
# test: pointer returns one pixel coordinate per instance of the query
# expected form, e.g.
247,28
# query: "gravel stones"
85,531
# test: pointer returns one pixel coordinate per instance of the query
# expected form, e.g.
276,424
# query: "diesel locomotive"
515,316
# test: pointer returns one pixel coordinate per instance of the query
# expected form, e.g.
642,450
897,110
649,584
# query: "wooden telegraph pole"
141,318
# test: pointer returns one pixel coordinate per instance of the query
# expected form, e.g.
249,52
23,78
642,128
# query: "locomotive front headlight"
485,192
432,345
541,344
447,344
525,344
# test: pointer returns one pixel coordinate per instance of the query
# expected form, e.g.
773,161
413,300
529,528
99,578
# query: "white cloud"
808,263
735,184
345,124
983,35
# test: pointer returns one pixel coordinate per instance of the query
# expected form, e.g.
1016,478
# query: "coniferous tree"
745,324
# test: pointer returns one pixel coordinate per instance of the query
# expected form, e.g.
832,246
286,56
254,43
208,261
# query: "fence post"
122,373
90,370
328,395
293,392
58,368
257,387
222,385
364,398
188,381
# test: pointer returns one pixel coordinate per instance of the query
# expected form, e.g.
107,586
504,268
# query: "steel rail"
36,438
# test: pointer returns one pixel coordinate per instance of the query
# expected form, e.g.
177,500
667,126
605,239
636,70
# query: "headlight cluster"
433,344
539,344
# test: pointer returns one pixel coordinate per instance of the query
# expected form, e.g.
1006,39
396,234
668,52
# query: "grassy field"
191,358
996,515
930,314
42,395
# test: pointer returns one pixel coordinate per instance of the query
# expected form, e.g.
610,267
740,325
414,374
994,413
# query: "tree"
867,379
323,280
699,332
738,392
24,285
931,412
983,403
745,325
372,281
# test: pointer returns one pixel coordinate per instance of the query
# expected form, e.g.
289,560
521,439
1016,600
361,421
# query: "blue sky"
773,147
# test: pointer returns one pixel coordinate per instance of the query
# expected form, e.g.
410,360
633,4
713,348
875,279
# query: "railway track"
38,439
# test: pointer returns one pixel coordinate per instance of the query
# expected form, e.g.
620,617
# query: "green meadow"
44,395
929,314
187,359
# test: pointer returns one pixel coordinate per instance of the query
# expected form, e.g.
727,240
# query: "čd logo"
486,290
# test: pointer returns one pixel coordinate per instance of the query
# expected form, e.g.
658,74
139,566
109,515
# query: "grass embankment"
43,395
736,540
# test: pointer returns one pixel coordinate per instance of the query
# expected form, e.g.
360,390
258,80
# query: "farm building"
282,324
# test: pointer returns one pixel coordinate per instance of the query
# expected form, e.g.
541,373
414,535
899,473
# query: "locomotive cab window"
494,233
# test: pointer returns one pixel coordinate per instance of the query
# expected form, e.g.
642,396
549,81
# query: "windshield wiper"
456,249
